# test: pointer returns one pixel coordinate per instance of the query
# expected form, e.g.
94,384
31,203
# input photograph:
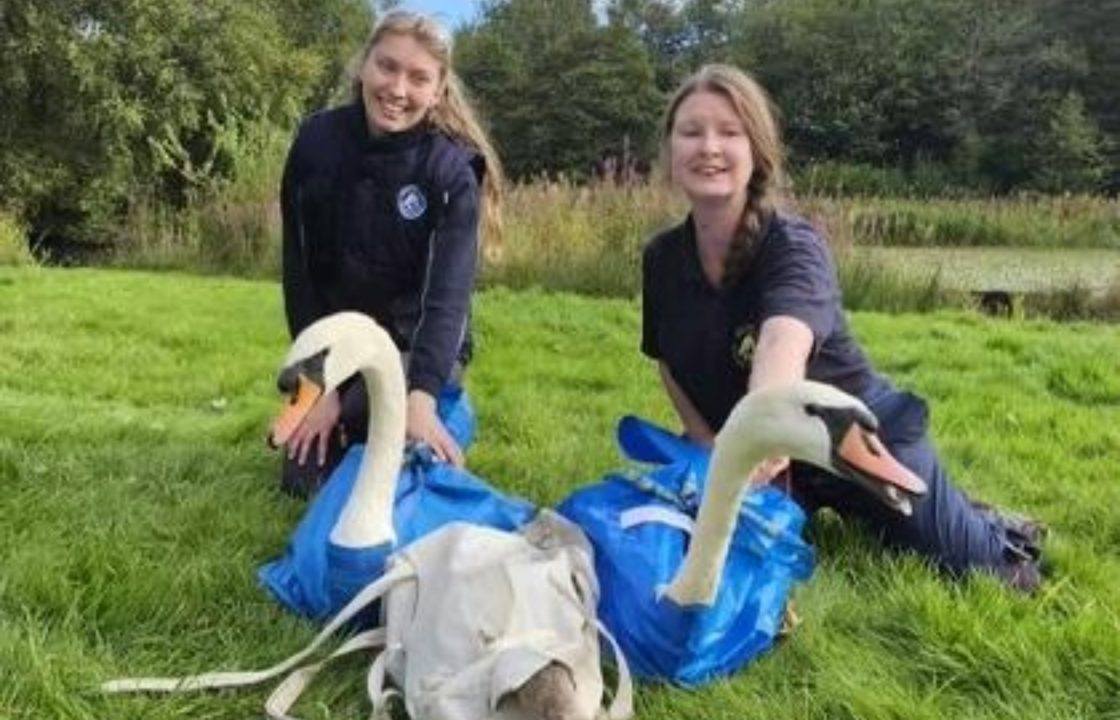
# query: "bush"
13,242
107,105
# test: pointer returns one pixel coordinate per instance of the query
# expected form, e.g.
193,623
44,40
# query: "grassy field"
139,498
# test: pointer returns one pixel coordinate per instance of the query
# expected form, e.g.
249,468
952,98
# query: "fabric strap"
287,693
655,514
373,591
379,695
622,704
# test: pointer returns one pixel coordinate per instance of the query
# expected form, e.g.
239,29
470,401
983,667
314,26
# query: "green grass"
139,498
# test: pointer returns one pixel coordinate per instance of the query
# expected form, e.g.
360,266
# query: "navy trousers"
945,526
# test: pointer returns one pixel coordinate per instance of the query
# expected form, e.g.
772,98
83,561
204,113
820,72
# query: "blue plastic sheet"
315,578
661,640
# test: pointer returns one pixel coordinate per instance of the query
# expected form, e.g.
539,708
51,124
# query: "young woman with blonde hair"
743,294
382,201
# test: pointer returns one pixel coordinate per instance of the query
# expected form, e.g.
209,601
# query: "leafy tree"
870,82
1070,153
114,101
333,31
1091,27
978,84
558,87
664,33
679,36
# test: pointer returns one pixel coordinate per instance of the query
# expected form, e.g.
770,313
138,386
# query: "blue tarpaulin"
315,578
639,524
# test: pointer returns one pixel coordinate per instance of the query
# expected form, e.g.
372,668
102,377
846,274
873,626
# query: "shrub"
13,242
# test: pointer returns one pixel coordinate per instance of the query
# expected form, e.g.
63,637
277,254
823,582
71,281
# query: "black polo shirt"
706,335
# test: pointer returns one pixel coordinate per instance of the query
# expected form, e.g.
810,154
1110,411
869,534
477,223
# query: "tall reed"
580,238
588,238
14,249
1078,221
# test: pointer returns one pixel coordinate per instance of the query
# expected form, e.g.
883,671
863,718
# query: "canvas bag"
639,522
469,613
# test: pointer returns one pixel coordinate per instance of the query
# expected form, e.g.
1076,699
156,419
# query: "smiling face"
401,81
709,152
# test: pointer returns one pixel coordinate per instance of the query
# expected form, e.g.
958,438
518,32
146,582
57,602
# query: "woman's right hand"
314,433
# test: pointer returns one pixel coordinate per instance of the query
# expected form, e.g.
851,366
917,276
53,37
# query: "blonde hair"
452,114
767,188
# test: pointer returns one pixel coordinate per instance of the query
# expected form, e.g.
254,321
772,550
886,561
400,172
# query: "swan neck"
366,519
727,484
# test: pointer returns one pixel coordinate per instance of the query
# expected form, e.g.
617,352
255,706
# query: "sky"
450,12
456,12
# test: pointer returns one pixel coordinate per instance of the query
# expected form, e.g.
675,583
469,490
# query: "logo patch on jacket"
742,347
411,202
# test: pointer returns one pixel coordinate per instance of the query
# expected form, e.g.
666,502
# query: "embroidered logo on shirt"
411,202
742,348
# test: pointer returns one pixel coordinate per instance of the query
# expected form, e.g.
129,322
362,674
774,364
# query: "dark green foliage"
558,88
1091,28
988,89
662,30
119,108
107,104
970,97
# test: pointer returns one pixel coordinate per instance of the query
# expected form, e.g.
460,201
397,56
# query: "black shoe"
1021,529
1020,575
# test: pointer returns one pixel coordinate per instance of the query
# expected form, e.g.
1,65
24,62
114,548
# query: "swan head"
807,421
823,426
323,356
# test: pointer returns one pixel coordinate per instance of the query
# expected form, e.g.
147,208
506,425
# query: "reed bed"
13,242
567,236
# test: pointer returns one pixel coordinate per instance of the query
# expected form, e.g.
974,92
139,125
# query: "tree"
1070,153
122,100
662,30
971,83
557,87
1091,27
333,31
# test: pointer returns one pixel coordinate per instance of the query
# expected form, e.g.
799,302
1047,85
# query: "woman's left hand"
314,433
424,425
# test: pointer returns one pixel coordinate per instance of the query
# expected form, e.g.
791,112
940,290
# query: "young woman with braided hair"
743,295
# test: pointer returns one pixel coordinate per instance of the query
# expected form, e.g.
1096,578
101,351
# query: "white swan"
806,421
322,357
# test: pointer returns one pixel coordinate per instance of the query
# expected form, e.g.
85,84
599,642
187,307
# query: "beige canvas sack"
469,614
